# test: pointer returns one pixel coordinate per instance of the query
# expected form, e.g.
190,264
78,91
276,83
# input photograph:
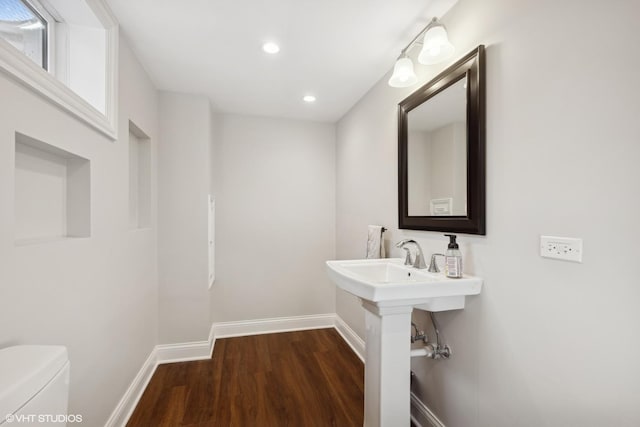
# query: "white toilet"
34,386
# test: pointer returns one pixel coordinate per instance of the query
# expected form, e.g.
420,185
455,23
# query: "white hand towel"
375,242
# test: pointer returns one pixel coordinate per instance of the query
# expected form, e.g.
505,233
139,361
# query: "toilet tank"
34,386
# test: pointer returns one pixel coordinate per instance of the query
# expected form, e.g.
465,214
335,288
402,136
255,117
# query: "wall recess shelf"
52,192
139,178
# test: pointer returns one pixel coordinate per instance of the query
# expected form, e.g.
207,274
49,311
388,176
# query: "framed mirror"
441,151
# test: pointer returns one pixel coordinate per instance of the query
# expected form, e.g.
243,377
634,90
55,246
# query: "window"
25,29
47,42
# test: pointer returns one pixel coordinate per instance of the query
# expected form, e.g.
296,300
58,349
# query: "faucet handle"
433,265
407,259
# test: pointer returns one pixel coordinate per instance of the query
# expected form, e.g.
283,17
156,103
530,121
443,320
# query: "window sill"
17,66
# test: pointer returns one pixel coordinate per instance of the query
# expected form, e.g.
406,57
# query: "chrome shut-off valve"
440,352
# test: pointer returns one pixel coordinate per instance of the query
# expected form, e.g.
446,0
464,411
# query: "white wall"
275,204
547,342
97,295
184,183
40,179
366,184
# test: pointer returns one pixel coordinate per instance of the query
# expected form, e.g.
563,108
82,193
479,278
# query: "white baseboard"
184,352
132,395
421,415
287,324
269,326
355,342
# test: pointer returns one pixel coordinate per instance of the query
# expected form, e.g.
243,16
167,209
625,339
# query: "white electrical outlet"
564,248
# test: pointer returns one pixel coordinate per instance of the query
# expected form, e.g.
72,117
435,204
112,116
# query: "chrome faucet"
418,262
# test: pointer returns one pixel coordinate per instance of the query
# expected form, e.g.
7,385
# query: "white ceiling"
333,49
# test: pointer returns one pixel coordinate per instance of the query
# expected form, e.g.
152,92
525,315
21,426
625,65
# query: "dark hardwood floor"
307,378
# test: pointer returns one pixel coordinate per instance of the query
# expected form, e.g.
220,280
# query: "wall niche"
52,192
139,178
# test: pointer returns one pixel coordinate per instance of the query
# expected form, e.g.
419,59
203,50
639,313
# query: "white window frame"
20,67
51,32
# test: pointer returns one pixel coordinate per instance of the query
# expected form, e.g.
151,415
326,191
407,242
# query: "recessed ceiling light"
309,98
271,47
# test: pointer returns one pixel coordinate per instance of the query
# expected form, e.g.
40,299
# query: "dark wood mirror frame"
472,66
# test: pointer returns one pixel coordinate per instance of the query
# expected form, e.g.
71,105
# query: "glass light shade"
403,74
436,46
271,47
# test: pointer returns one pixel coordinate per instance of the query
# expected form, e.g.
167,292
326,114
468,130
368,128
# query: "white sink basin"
388,282
389,291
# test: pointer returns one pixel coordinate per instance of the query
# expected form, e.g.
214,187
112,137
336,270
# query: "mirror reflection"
437,154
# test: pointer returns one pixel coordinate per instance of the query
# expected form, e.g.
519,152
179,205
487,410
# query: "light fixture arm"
435,48
416,39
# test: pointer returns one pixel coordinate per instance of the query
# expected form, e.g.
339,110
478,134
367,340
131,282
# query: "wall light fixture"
435,48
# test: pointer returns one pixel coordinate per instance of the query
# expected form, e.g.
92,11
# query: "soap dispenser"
453,258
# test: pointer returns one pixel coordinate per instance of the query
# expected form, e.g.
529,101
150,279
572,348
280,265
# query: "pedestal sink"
389,291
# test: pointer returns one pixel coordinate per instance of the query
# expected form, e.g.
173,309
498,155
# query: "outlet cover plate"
562,248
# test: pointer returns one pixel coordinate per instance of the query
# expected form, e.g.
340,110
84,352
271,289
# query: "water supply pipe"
427,350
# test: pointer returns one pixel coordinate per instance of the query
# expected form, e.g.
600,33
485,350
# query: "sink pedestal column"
387,370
